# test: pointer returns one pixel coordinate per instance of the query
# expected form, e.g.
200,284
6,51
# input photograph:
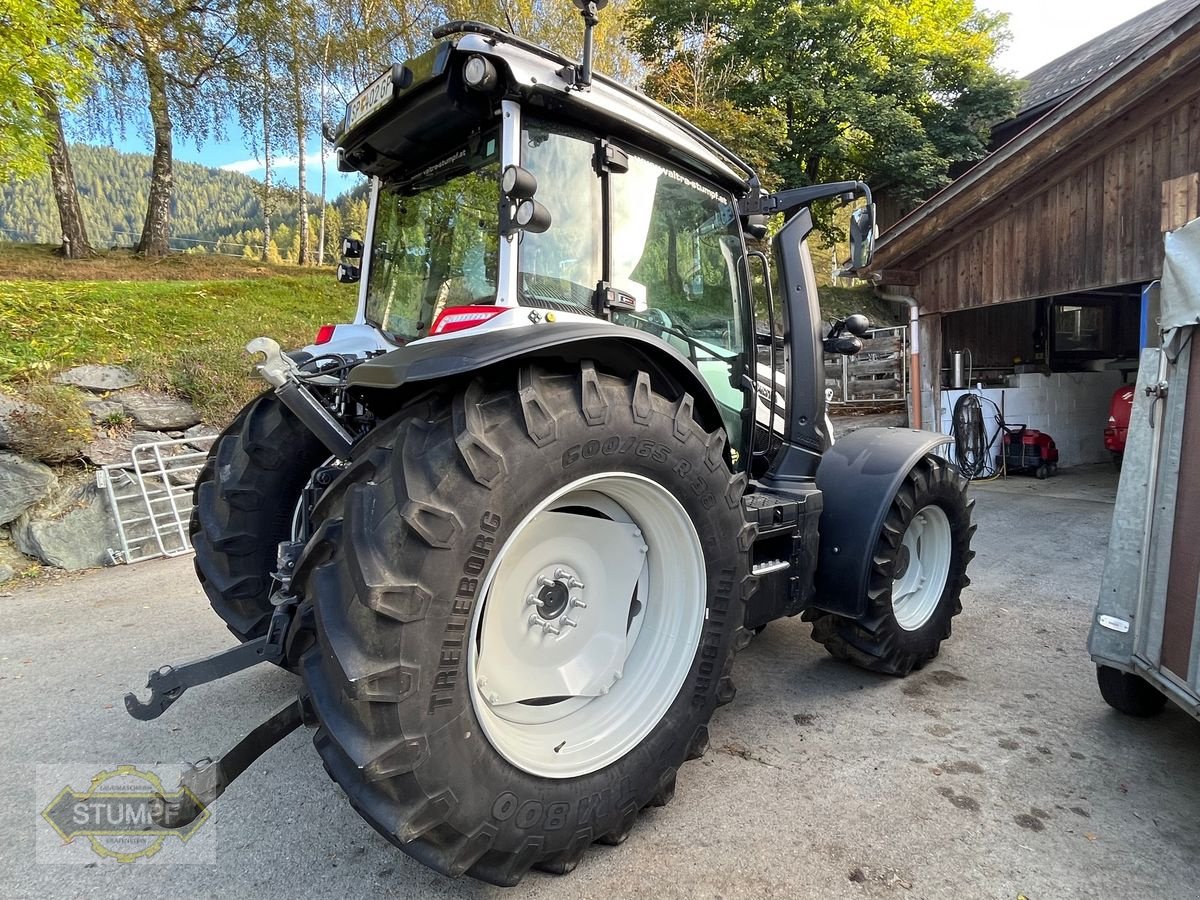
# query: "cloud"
246,166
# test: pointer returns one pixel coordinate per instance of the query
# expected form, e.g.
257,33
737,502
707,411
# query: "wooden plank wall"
1098,223
995,335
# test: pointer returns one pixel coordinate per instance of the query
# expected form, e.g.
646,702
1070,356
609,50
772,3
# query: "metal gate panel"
151,497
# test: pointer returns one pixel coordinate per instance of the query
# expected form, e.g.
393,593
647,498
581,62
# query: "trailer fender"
858,478
621,351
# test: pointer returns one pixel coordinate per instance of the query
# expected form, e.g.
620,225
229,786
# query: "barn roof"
1046,134
1089,61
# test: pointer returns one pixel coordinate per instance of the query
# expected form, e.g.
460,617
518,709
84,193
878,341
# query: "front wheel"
918,572
245,498
525,602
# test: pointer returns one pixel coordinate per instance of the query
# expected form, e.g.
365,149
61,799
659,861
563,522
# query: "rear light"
325,334
460,318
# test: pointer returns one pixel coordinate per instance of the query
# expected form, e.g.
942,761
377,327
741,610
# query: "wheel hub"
921,568
589,624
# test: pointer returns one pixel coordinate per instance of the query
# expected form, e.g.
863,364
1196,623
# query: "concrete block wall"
1072,407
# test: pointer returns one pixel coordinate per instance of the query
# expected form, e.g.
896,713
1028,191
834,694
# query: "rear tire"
1129,693
402,574
907,620
244,501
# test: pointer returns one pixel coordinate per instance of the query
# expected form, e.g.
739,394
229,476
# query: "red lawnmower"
1115,433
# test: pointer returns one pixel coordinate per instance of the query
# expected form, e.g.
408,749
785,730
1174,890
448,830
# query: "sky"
1042,30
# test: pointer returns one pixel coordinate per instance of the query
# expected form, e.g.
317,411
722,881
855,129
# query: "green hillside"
212,209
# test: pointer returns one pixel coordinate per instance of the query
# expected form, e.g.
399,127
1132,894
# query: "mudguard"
858,478
620,350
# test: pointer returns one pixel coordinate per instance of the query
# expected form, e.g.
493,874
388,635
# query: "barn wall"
1093,219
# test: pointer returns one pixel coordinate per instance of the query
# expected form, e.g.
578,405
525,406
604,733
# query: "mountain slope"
210,206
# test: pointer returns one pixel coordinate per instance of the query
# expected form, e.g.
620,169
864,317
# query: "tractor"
510,525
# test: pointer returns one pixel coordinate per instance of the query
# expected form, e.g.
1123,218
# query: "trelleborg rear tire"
244,501
466,719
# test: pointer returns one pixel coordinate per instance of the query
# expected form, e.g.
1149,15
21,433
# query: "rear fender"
622,351
858,477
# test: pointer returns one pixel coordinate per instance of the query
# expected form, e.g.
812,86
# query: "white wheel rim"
617,555
922,569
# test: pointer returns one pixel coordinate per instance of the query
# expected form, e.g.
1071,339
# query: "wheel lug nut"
482,682
560,573
574,583
535,619
544,581
532,600
570,623
578,604
548,628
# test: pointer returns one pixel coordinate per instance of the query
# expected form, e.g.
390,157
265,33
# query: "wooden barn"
1036,264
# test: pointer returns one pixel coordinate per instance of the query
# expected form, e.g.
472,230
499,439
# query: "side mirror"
352,248
857,324
846,345
347,274
862,236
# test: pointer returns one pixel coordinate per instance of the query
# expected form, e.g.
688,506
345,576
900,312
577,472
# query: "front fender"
858,478
623,351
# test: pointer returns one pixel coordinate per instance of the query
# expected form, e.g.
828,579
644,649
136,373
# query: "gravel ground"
996,772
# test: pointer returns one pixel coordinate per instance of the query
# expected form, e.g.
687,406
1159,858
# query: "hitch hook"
168,683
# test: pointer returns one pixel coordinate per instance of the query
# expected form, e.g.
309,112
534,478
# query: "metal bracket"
207,780
168,684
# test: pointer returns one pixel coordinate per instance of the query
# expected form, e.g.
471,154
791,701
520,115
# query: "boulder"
98,379
6,573
201,431
108,448
101,410
23,483
8,406
72,529
158,412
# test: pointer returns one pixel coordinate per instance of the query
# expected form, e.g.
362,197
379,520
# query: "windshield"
436,241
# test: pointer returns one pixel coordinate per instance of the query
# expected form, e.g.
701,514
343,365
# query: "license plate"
377,95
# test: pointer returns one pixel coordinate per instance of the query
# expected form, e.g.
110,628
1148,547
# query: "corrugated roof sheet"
1089,61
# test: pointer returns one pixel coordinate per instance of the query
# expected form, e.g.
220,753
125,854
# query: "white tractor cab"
511,524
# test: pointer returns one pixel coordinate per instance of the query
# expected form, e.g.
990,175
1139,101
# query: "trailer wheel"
525,602
243,504
1129,693
918,573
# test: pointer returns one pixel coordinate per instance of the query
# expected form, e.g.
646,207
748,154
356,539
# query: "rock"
8,406
158,412
73,529
109,449
98,379
102,410
6,573
23,483
201,431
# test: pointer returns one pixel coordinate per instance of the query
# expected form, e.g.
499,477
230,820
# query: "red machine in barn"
1117,429
1027,450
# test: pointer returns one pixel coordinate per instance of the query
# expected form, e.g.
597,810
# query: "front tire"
454,709
918,572
244,500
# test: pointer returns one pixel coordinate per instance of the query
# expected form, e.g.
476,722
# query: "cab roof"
431,109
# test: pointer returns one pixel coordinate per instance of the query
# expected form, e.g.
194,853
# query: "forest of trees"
898,92
213,210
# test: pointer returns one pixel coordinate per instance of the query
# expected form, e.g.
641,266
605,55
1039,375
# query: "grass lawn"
180,322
